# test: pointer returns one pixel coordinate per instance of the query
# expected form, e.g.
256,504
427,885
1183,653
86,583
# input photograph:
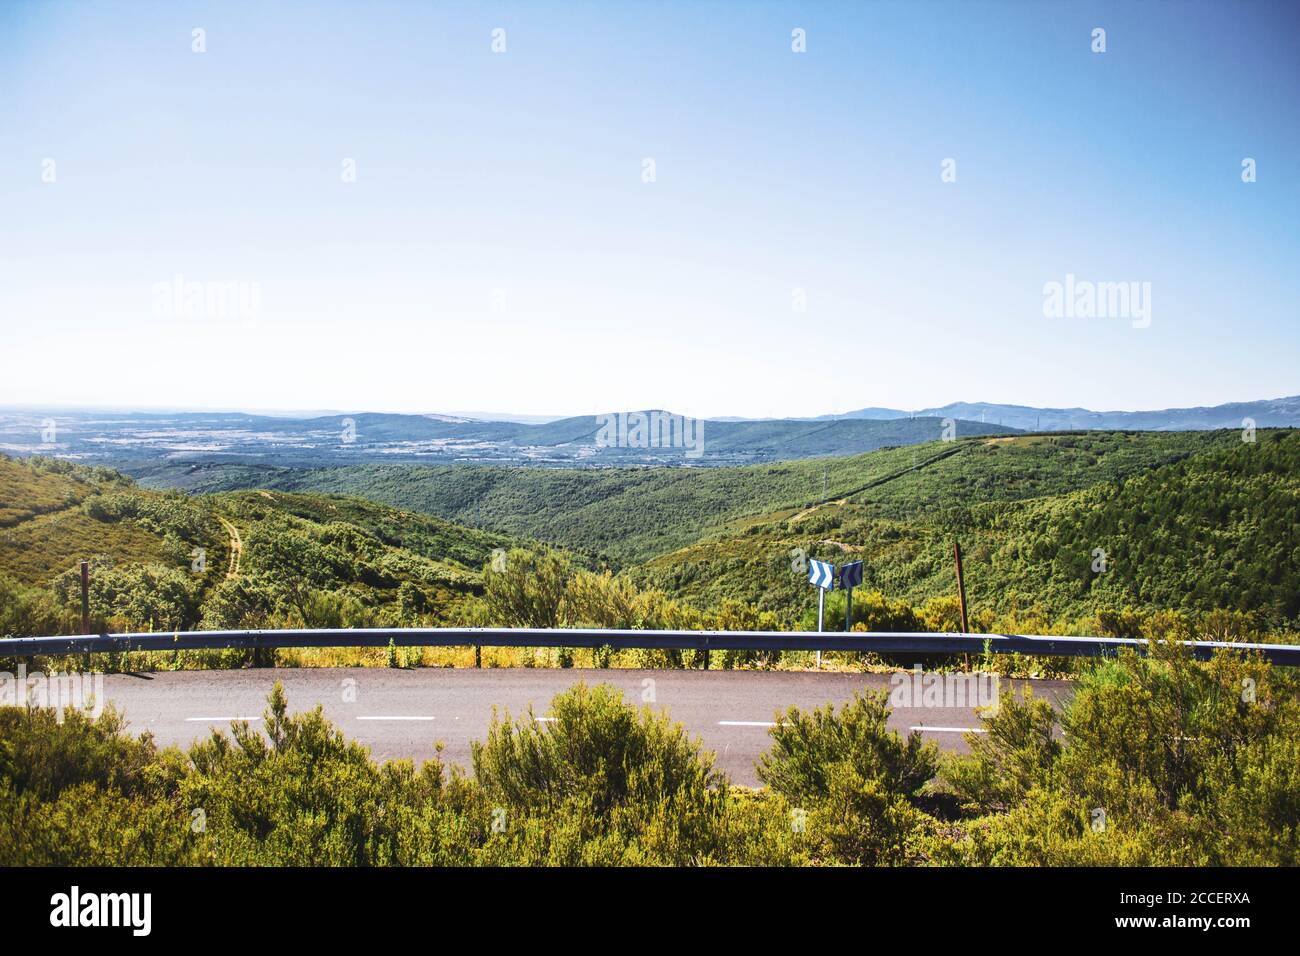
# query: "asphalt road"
401,713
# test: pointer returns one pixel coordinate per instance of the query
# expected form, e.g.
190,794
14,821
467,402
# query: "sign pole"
850,577
821,574
821,607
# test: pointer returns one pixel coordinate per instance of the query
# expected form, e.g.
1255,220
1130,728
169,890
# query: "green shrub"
857,781
1015,754
602,783
43,755
26,612
149,597
245,602
807,745
527,589
595,748
1164,761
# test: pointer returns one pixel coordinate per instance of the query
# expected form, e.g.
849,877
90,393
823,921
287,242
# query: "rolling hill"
1213,529
1268,413
167,560
1056,528
630,515
1186,520
140,442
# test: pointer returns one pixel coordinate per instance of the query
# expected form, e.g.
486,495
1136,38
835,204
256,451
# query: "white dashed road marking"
951,730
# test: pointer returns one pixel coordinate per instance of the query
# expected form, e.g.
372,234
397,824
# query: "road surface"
402,713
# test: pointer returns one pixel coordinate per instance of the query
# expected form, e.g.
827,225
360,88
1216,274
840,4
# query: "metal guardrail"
881,642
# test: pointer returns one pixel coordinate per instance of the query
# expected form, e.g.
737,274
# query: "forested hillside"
1060,533
167,561
1216,530
631,515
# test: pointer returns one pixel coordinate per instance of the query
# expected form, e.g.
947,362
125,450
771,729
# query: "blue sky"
499,248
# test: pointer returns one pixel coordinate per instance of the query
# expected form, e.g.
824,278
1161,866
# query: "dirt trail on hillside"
236,547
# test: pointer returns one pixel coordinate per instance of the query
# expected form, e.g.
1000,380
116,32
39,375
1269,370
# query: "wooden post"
961,586
85,597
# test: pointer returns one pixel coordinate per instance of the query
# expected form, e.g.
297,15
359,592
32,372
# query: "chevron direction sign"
821,574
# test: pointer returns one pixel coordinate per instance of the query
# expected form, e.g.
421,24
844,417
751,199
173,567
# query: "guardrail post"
85,611
821,606
85,597
961,586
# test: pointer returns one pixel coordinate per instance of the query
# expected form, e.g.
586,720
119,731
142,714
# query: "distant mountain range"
127,439
1268,413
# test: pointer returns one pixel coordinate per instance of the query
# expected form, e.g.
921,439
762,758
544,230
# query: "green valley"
630,515
1081,533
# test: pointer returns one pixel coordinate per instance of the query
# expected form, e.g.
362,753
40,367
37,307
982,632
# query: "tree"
526,589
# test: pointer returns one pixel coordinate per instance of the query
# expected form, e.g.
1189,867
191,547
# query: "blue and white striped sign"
821,574
851,574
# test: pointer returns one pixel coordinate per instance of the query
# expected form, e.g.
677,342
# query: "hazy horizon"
535,418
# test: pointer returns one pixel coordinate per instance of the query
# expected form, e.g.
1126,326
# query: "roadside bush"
25,612
806,745
80,791
42,755
145,597
603,784
733,615
860,821
304,794
88,826
243,603
1164,761
595,749
1015,755
857,781
599,600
